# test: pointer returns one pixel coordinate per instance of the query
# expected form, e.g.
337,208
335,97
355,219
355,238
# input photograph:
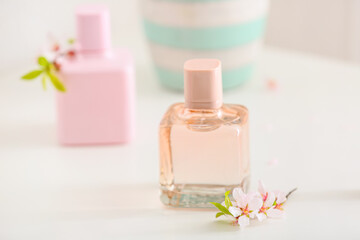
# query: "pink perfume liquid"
203,154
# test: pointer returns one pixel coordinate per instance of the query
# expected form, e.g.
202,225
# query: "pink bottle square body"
98,106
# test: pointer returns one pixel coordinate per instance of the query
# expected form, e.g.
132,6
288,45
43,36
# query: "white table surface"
310,124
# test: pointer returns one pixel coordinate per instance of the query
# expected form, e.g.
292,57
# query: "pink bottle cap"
203,84
93,28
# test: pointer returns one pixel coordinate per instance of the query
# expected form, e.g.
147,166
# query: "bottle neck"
213,105
203,112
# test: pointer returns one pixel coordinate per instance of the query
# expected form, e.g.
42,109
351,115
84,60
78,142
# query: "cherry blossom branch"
289,193
259,205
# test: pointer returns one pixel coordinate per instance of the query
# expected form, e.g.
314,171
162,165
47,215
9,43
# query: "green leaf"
43,80
71,41
228,202
56,82
31,75
43,61
221,208
50,68
219,214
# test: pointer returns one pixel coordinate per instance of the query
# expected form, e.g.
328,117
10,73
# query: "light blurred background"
310,124
327,28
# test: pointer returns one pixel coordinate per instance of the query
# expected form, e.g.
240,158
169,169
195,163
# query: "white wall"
327,27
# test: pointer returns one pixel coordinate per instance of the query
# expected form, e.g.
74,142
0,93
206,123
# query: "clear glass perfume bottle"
203,143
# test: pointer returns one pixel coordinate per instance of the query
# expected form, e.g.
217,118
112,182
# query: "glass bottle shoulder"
205,119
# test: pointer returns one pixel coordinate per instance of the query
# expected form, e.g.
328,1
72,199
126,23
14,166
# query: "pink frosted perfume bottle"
98,106
204,148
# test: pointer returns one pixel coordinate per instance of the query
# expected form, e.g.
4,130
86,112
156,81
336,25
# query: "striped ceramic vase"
229,30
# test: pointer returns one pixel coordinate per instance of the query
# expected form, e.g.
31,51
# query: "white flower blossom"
247,205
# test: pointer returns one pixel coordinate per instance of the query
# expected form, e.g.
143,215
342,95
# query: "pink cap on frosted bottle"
93,28
203,84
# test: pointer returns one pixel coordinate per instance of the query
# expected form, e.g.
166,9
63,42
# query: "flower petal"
261,188
243,221
261,216
240,197
281,197
275,213
235,211
255,204
251,195
270,199
252,214
237,193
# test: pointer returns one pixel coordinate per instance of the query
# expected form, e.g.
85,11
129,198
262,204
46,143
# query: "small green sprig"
223,210
47,71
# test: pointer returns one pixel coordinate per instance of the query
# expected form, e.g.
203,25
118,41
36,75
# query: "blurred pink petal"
261,188
272,84
273,162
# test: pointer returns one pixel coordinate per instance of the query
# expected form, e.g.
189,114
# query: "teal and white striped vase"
229,30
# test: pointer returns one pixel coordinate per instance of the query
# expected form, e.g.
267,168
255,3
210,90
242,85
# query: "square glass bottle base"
197,195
